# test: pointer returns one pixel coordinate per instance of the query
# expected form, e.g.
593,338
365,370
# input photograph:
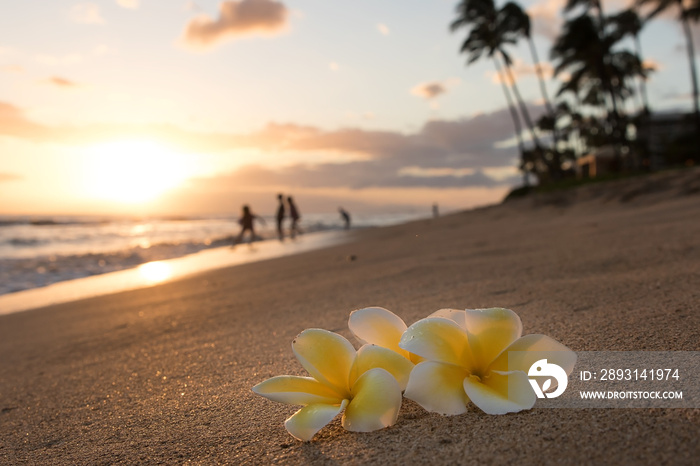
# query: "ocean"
38,251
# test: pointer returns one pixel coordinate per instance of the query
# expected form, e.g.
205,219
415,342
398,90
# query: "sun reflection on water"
155,272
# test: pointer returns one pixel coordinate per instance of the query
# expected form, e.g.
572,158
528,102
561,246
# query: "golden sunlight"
133,171
155,272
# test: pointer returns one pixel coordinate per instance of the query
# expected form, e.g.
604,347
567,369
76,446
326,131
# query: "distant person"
436,213
246,221
280,216
346,217
294,215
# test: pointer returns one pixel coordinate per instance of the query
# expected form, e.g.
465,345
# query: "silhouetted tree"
685,16
628,23
490,30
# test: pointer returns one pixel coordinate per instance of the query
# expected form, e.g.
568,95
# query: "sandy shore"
164,375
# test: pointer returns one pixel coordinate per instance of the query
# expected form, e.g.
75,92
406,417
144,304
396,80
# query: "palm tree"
479,41
490,31
520,21
602,67
685,16
629,23
583,52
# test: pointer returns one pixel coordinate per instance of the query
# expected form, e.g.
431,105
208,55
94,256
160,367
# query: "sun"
133,171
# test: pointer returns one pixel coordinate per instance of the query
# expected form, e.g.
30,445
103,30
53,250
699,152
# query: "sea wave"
36,252
18,274
26,273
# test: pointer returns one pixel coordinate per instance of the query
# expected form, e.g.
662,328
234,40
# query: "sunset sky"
154,106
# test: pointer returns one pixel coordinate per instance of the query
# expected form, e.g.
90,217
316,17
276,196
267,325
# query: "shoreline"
164,374
163,271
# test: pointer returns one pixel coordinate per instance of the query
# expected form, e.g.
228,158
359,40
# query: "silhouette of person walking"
294,215
346,217
436,213
280,217
246,221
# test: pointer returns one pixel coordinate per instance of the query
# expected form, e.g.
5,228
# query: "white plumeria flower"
467,358
360,383
381,327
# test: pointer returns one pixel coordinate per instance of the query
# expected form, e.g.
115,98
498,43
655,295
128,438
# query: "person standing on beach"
294,215
346,217
280,216
246,221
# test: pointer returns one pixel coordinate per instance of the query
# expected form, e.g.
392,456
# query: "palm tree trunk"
642,79
516,119
523,108
540,75
615,121
543,89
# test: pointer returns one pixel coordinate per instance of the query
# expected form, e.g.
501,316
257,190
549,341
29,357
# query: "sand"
164,374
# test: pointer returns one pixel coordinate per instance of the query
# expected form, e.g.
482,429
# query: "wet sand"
163,374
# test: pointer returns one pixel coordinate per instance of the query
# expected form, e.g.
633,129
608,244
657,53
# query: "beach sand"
164,374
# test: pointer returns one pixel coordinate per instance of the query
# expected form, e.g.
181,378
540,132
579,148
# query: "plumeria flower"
467,358
381,327
360,383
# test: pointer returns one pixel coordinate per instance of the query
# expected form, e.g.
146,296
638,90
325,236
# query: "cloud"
432,89
4,177
521,69
13,123
61,82
12,69
652,65
130,4
442,153
383,29
357,175
237,18
86,13
429,90
547,17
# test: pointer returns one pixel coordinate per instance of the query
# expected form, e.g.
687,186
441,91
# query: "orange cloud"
521,69
13,123
429,90
9,177
442,153
61,82
547,17
237,18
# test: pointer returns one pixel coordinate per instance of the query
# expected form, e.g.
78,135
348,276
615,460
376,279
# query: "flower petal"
378,326
375,404
501,392
296,390
371,356
438,387
457,315
438,339
310,419
490,331
525,351
327,356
